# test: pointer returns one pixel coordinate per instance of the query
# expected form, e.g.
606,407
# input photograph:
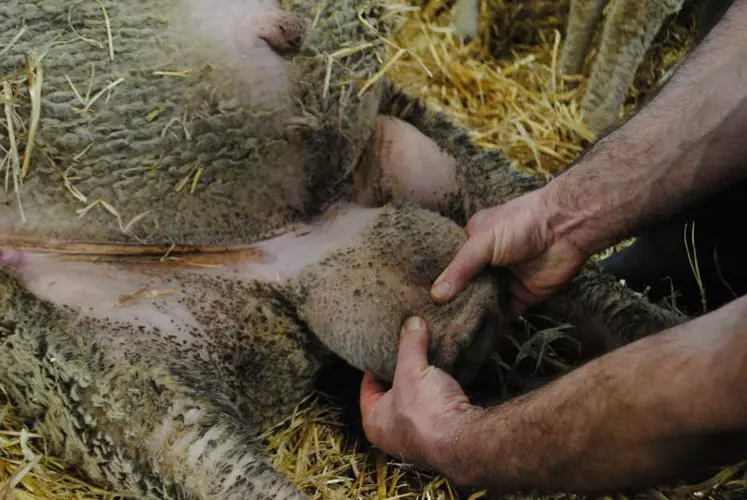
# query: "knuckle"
501,246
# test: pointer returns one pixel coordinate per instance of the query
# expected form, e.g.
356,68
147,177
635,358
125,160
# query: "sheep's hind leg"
357,298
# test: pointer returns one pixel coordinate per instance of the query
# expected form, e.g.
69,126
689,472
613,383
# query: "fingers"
373,406
371,392
477,221
505,235
521,299
472,258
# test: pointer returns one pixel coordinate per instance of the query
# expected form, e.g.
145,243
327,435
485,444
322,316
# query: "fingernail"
414,324
442,289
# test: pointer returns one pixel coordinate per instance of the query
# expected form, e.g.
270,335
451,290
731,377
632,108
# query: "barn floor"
505,89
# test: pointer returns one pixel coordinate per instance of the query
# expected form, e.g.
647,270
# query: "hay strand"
108,25
35,82
12,161
13,41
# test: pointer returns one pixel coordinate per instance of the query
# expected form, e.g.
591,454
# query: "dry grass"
505,88
27,472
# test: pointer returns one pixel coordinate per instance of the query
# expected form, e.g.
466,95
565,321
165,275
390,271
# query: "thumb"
412,357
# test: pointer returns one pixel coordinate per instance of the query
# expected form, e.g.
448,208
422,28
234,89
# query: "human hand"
520,236
421,418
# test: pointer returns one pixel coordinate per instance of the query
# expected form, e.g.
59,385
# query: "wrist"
487,455
612,190
571,223
460,453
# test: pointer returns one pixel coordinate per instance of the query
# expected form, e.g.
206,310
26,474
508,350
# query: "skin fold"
185,251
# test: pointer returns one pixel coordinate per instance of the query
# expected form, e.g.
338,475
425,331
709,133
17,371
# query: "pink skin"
411,165
285,33
255,35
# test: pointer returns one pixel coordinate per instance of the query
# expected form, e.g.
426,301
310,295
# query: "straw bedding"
504,87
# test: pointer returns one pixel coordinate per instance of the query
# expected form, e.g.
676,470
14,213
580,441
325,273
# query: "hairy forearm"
628,419
687,143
